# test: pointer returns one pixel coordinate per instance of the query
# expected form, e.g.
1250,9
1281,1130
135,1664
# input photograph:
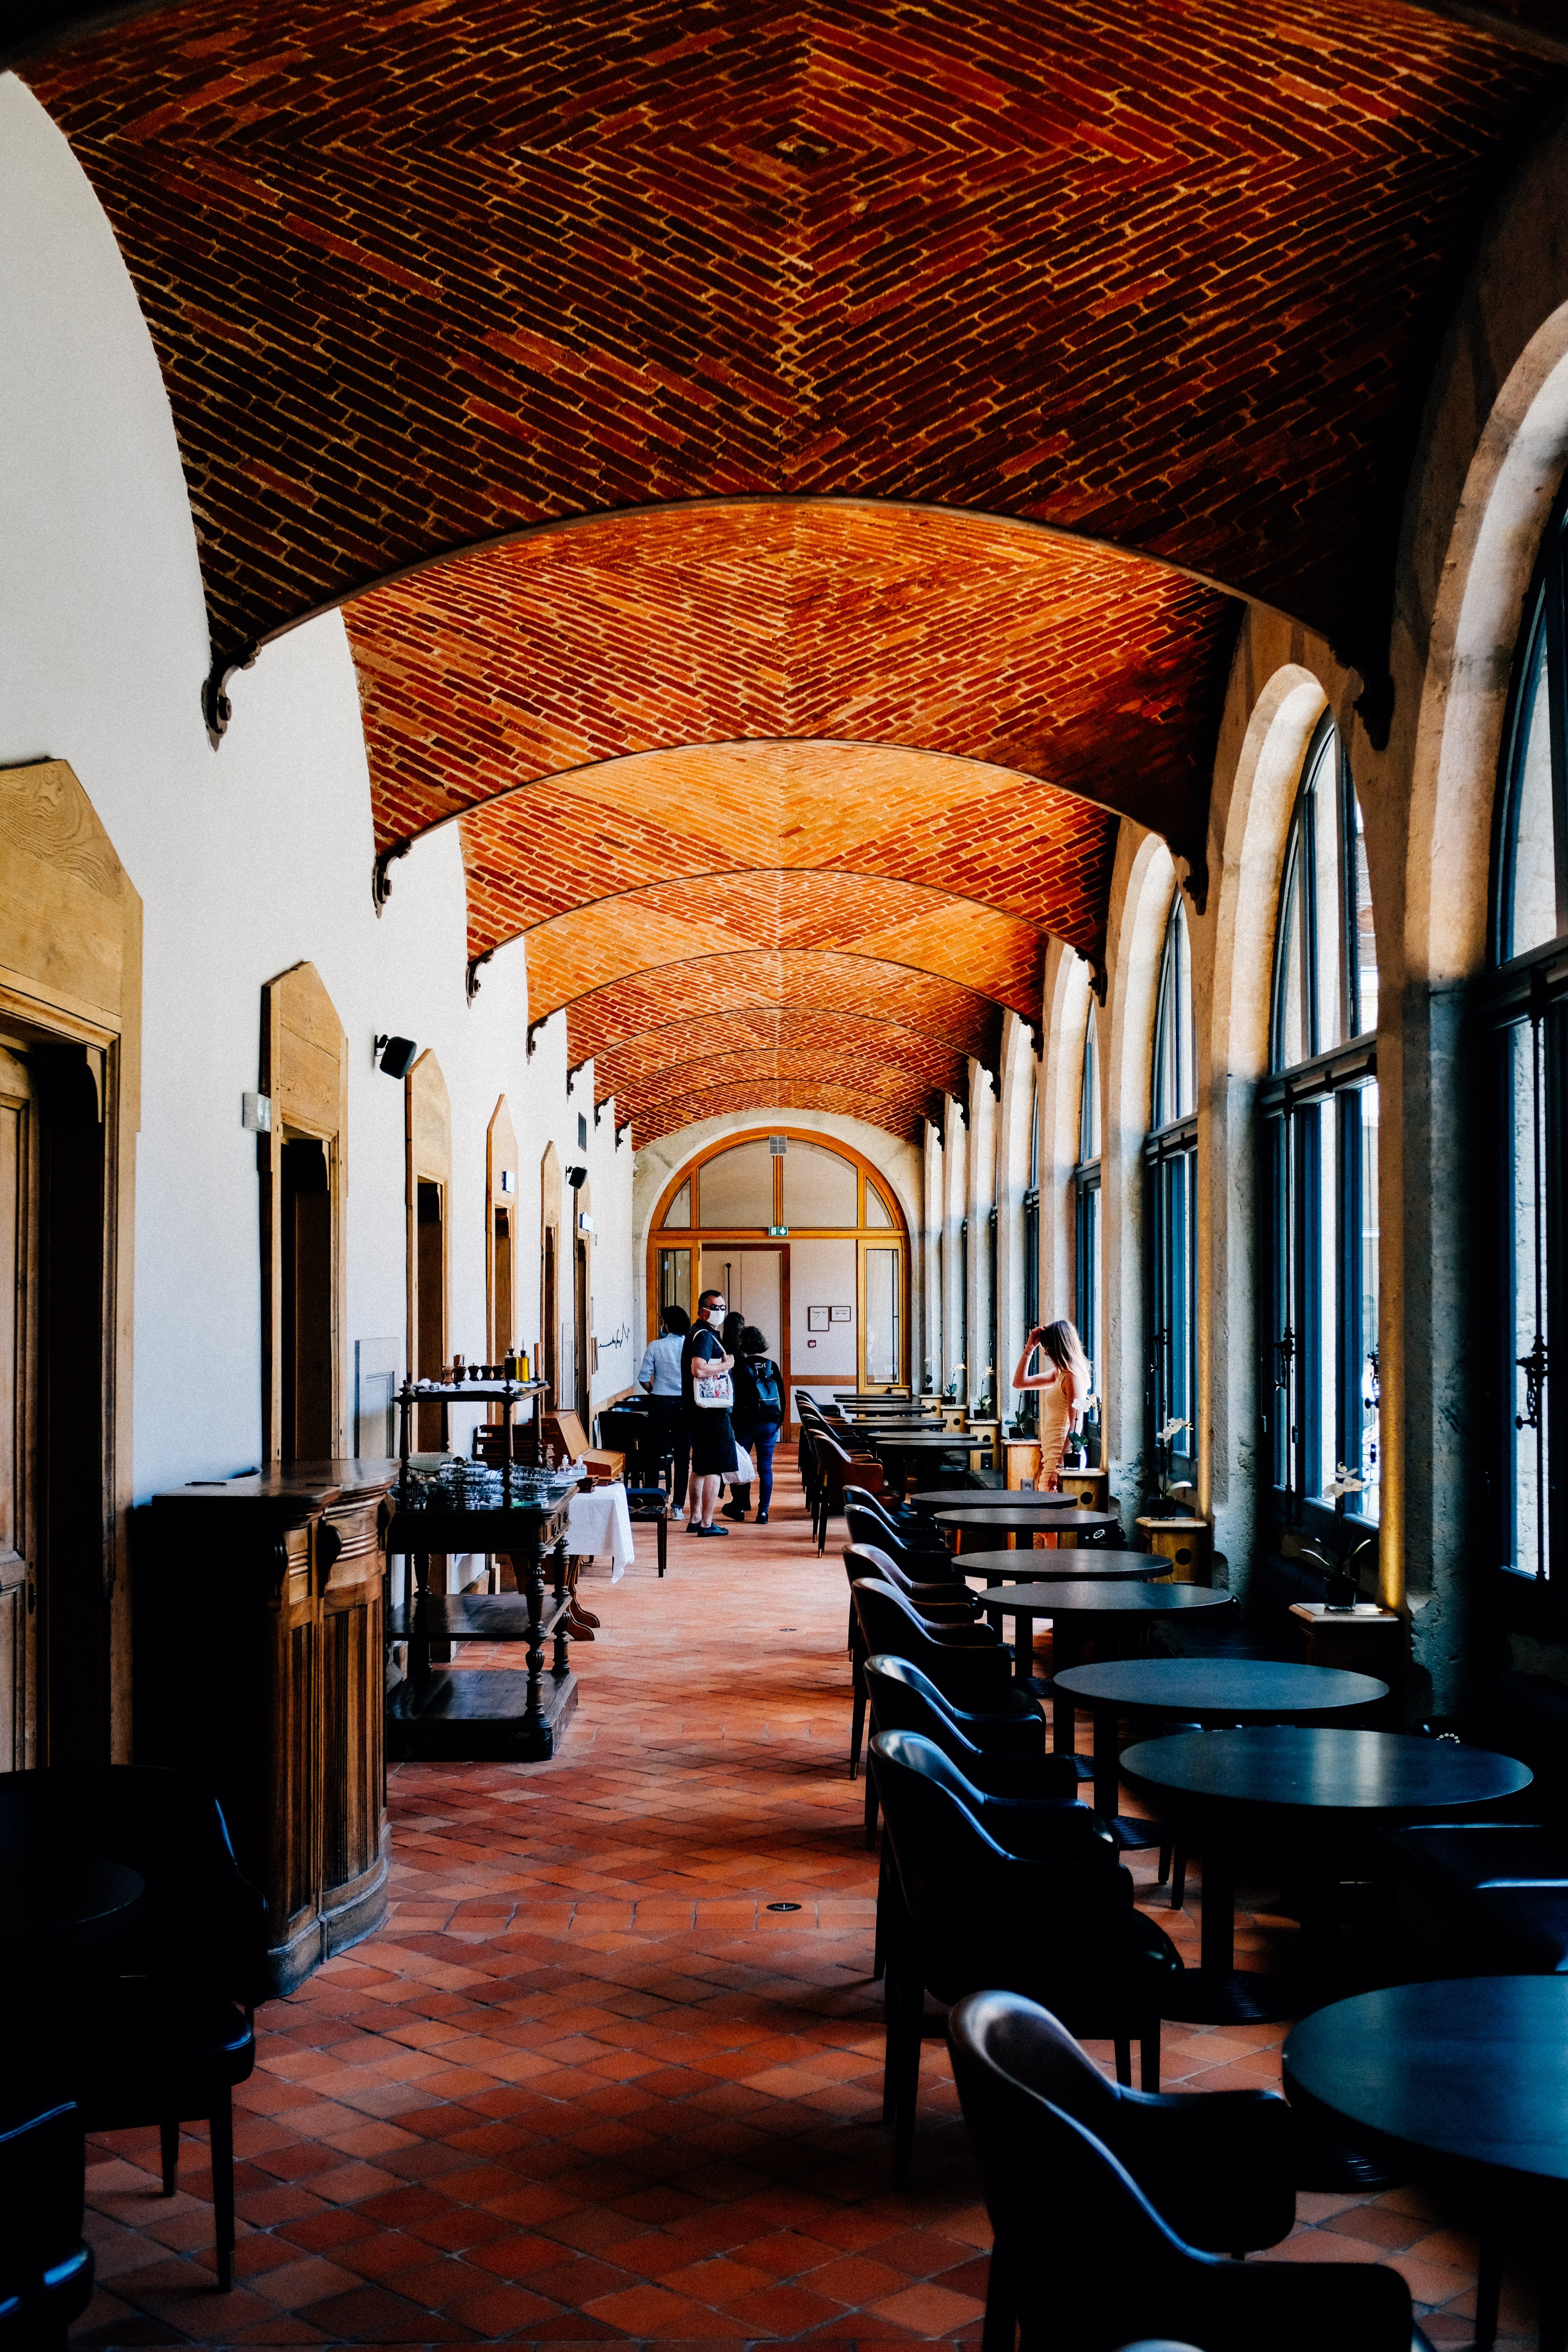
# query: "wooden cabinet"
260,1670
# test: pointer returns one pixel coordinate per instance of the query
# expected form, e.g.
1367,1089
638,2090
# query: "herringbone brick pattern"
587,2083
416,276
786,632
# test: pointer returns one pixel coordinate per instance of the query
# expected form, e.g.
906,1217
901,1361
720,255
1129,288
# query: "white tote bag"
744,1470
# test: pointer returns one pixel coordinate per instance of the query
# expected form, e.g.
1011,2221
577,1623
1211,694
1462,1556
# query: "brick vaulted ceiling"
923,385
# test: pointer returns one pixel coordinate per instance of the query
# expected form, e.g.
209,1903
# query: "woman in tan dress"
1064,1378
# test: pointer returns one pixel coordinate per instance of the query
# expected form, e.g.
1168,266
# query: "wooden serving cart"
438,1713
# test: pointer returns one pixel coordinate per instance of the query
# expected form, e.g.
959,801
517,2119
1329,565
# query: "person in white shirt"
659,1377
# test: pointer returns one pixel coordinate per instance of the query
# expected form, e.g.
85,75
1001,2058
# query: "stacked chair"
1020,1893
150,2023
1113,2214
834,1468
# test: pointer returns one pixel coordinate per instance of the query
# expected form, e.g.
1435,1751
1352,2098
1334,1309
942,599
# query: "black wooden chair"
151,2023
1219,2167
46,2265
961,1656
987,1748
869,1520
1053,1919
837,1468
1086,2257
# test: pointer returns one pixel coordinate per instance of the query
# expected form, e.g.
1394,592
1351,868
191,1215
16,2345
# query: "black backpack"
767,1390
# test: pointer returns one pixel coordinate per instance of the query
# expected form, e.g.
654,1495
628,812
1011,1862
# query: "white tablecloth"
599,1525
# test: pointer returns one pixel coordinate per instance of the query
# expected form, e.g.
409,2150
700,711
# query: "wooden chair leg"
1150,2057
221,2128
872,1805
1124,2061
663,1539
880,1947
1164,1872
169,2149
856,1726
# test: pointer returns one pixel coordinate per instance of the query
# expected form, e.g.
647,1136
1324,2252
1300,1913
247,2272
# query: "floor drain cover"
783,1906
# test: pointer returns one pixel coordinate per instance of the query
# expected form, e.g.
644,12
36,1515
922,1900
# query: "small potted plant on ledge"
1340,1560
1172,1499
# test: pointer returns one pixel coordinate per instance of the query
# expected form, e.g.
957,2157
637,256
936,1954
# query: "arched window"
1318,1393
1529,1005
1086,1201
1171,1157
1028,1404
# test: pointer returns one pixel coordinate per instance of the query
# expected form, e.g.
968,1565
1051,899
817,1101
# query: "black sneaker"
734,1511
761,1520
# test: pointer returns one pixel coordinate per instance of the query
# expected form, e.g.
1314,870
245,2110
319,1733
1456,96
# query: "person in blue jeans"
757,1417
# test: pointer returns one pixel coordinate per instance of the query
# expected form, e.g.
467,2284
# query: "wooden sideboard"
260,1670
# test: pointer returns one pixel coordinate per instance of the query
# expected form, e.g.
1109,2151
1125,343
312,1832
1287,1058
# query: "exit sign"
778,1233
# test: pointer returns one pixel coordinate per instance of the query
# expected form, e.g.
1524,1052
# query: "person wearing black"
757,1414
658,1378
712,1438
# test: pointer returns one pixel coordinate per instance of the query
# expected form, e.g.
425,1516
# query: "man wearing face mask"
703,1359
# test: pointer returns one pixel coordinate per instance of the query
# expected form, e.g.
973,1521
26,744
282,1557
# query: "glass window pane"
1325,835
1186,1054
1089,1108
1291,1005
875,1207
680,1210
881,1314
819,1187
1368,1503
1530,1464
1323,1417
675,1279
737,1188
1529,917
1366,932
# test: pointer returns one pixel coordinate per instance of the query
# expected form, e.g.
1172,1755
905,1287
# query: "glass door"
882,1323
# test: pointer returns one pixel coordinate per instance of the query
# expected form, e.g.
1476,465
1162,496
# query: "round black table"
1027,1519
1083,1527
1085,1601
988,1498
909,1445
1022,1570
1323,1780
1467,2081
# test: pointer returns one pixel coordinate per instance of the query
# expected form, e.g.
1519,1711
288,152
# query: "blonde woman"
1064,1377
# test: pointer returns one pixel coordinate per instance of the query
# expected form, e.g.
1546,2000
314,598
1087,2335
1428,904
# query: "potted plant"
1167,1505
1340,1560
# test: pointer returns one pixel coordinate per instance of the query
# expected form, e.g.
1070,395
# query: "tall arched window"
1028,1403
1529,1005
1171,1158
1086,1201
1319,1388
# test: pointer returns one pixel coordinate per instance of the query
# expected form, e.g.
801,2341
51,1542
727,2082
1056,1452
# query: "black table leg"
1106,1758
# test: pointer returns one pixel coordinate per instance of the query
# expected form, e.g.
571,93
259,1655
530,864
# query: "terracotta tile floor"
585,2082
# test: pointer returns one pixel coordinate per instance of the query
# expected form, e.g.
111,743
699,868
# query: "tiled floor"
587,2083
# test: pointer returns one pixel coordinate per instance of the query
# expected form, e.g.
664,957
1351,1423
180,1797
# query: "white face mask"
716,1317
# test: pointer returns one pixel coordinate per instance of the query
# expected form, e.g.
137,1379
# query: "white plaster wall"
247,859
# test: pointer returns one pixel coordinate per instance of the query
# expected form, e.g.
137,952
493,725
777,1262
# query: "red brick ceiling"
1166,277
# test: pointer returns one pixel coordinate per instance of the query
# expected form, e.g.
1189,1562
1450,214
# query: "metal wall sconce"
576,1178
396,1054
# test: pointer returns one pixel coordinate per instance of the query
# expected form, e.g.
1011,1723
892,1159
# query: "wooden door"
584,1382
303,1165
18,1404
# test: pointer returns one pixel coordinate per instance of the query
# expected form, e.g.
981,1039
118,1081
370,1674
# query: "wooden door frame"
697,1238
501,1153
71,973
550,1201
427,1138
304,1073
